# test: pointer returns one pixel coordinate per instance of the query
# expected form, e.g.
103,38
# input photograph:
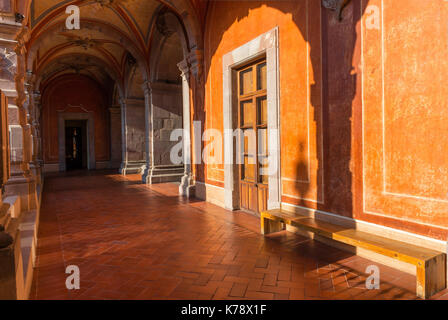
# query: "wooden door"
252,121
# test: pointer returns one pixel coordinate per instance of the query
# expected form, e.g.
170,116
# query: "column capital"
36,95
147,87
195,60
184,68
22,38
122,101
30,80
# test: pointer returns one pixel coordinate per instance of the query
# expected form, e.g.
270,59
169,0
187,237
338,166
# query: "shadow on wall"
302,170
335,91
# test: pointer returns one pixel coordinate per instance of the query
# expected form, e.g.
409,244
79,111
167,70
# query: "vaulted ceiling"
113,35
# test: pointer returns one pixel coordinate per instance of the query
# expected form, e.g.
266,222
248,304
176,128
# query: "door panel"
261,76
246,81
243,195
262,106
262,197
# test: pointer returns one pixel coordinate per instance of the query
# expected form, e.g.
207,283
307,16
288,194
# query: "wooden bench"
430,264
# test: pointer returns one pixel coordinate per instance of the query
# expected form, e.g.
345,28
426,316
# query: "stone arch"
165,59
186,13
134,85
166,25
41,76
169,47
109,32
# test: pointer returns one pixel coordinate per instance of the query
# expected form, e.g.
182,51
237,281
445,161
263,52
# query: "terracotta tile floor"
132,241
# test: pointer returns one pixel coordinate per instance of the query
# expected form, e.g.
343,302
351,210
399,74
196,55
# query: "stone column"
124,155
15,86
34,109
132,129
186,187
196,82
35,123
163,109
146,176
115,137
28,109
21,184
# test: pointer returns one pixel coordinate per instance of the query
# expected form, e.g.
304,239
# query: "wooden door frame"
62,117
266,45
253,97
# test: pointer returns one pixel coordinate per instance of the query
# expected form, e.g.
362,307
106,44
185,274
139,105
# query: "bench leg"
431,277
270,226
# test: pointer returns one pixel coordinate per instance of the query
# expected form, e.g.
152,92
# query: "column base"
36,171
187,188
163,174
11,282
25,188
132,167
17,253
115,164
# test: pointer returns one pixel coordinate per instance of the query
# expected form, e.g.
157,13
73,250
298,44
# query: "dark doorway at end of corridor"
76,144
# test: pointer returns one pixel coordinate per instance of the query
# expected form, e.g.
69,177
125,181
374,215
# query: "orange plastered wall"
68,94
230,26
363,111
405,108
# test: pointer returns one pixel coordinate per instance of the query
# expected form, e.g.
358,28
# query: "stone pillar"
14,85
11,267
123,137
34,120
196,82
133,135
21,184
186,187
115,137
146,176
27,122
163,116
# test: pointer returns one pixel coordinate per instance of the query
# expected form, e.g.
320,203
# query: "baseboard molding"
101,165
210,193
51,167
129,167
14,202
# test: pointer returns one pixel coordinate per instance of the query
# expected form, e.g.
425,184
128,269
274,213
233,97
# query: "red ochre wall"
67,93
364,115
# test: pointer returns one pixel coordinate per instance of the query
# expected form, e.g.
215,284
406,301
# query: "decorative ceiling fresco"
111,31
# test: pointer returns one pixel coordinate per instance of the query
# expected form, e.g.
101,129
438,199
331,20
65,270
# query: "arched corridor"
208,149
133,241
